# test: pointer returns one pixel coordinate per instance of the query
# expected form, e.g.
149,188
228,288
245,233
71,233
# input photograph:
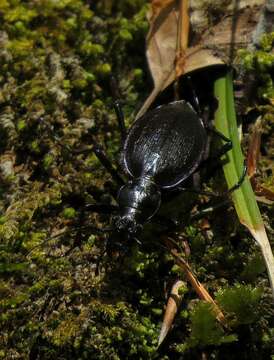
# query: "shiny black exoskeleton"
162,149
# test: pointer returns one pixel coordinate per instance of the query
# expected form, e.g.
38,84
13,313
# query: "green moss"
20,13
13,302
138,73
125,35
103,69
21,125
260,62
91,49
267,41
35,146
66,330
98,104
21,47
12,267
204,328
48,161
4,5
241,301
64,292
253,268
69,213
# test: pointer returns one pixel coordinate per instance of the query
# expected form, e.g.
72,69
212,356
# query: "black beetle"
162,149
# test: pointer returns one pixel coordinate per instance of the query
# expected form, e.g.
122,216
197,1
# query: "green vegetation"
61,295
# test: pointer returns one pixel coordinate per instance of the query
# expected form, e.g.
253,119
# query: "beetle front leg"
118,108
102,157
101,208
121,119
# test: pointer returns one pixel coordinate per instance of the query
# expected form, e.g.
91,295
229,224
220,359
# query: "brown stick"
183,35
182,44
184,25
198,287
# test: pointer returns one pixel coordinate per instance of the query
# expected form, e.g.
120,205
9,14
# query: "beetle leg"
195,97
90,227
118,108
222,194
100,154
212,163
240,181
102,157
209,209
166,222
226,147
223,202
223,150
101,208
121,119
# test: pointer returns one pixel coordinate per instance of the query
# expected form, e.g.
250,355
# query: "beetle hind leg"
240,181
195,100
227,146
220,194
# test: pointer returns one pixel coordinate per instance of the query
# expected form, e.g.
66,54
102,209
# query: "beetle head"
127,223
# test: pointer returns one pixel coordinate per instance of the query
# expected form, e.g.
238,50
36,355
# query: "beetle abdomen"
166,143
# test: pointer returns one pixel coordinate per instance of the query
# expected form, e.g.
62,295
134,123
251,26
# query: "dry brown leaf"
263,194
157,6
161,48
254,148
212,45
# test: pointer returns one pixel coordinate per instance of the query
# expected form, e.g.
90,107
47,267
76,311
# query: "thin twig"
197,286
182,43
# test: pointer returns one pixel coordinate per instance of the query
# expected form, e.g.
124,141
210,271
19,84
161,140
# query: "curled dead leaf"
173,304
215,41
254,148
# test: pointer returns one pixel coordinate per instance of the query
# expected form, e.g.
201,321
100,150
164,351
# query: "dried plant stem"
182,43
183,26
183,35
197,286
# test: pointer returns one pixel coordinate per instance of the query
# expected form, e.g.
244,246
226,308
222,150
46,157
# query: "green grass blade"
243,198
